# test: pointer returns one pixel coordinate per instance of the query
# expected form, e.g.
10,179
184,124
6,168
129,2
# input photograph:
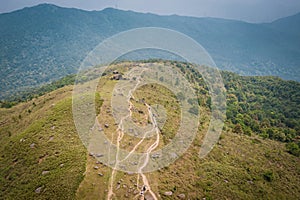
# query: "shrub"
293,149
268,176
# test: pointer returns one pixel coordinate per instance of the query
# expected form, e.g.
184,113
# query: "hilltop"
43,157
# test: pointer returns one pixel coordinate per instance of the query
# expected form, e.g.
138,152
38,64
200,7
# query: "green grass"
57,149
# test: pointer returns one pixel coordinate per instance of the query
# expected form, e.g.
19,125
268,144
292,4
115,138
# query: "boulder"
45,172
100,174
168,193
51,138
38,190
91,154
32,145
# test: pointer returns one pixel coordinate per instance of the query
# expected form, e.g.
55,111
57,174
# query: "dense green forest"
263,105
267,106
41,44
31,93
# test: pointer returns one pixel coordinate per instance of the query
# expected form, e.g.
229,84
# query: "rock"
181,196
38,190
148,196
32,145
91,154
51,138
106,125
116,77
135,192
173,155
168,193
99,155
112,162
100,174
130,173
144,188
96,167
155,155
45,172
53,127
61,165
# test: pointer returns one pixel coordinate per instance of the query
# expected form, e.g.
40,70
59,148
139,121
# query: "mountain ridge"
45,5
38,47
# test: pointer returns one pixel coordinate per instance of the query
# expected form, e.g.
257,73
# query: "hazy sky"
247,10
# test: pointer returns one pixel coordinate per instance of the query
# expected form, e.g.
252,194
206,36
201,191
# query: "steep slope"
46,42
42,156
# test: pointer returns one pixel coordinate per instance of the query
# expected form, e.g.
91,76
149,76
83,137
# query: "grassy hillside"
43,158
41,154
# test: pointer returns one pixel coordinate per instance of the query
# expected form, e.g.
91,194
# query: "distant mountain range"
46,42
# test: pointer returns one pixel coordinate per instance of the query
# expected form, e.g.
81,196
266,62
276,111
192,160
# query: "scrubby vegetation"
267,106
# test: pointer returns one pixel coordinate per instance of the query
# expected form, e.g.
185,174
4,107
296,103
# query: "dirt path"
146,187
120,131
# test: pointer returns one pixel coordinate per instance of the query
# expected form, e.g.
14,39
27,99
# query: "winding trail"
147,154
120,130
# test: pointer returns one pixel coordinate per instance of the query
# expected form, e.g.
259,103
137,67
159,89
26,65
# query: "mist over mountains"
46,42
